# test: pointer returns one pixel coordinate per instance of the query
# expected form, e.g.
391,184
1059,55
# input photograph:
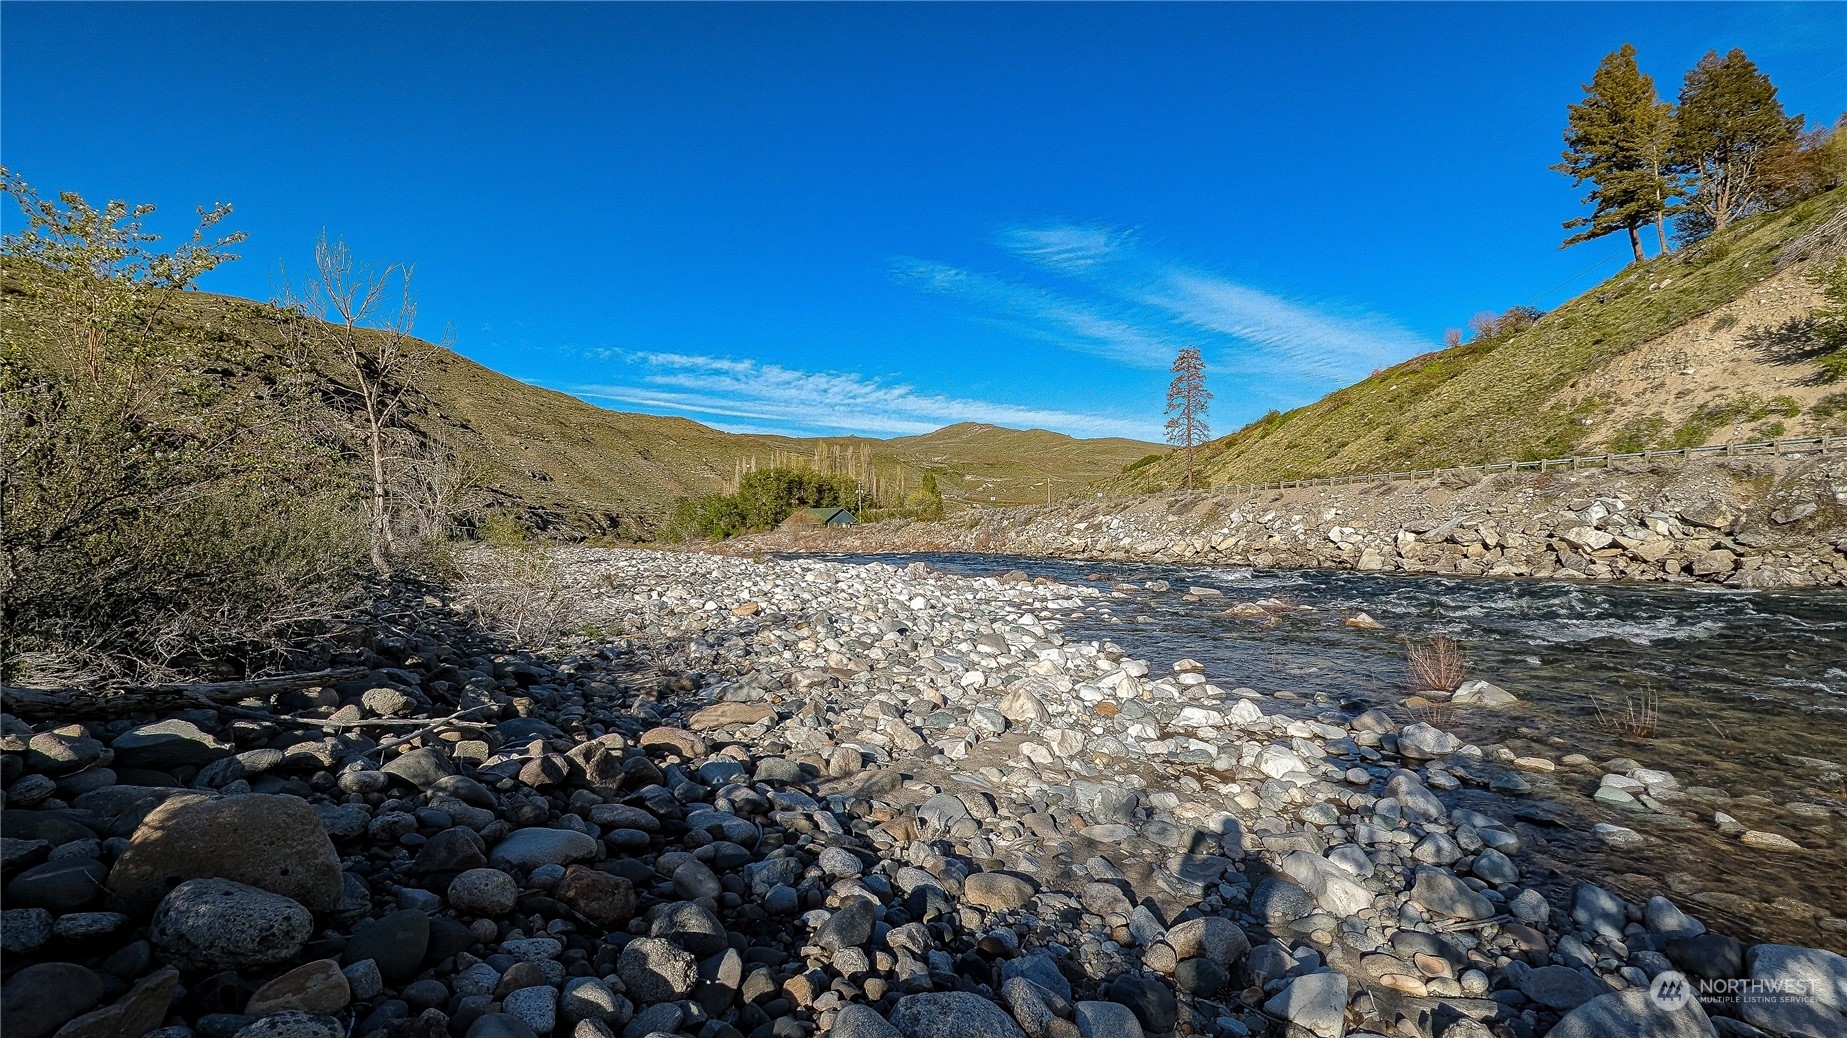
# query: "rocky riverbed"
799,797
1757,523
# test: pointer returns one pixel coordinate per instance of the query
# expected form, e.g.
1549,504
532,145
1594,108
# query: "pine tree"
1619,138
1187,398
1730,121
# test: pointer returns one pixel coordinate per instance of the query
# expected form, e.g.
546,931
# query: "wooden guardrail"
1775,448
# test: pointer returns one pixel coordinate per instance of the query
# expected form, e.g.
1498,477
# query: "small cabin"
820,517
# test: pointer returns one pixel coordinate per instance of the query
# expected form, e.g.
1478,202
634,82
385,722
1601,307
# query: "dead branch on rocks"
454,720
120,700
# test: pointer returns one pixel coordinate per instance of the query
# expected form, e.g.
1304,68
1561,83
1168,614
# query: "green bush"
160,514
763,499
502,529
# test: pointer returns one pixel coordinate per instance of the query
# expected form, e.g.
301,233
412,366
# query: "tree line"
1722,150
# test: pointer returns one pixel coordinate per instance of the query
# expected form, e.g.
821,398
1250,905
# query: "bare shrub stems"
1436,663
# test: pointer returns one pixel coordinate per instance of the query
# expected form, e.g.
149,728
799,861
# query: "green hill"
565,464
1631,364
996,465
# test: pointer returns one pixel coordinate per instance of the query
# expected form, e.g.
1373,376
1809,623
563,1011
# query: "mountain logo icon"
1670,991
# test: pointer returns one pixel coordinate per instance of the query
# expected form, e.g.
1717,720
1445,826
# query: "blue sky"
883,218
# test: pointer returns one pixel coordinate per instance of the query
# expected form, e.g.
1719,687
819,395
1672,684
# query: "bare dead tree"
364,316
1187,399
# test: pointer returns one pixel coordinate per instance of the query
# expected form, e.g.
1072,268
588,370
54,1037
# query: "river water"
1749,689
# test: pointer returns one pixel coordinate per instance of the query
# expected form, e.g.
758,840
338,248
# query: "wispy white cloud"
1326,344
1141,306
1066,248
1042,314
732,389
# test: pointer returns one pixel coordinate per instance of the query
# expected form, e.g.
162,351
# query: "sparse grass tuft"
1638,719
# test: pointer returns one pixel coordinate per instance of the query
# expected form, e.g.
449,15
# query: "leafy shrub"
763,499
162,513
502,529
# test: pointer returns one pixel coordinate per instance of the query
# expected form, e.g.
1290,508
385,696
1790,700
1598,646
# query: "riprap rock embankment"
1742,524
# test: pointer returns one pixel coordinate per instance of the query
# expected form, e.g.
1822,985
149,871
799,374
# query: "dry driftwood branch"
454,720
134,699
339,726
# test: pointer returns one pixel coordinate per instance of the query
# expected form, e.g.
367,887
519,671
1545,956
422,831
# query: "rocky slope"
802,797
1739,522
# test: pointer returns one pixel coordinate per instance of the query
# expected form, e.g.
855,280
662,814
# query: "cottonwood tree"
1620,139
1730,122
1187,400
1809,164
363,317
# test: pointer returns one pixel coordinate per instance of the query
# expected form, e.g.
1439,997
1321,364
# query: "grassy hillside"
1014,466
564,463
1536,393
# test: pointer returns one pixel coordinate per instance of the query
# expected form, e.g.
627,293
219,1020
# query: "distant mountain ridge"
571,466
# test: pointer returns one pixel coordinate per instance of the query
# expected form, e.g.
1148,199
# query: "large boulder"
1482,693
1636,1012
1316,1003
1796,990
272,842
423,767
1332,887
997,891
1422,742
316,987
39,999
724,715
952,1014
132,1015
656,970
165,745
1106,1020
397,942
1210,937
1445,894
1021,706
215,924
862,1021
1418,802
